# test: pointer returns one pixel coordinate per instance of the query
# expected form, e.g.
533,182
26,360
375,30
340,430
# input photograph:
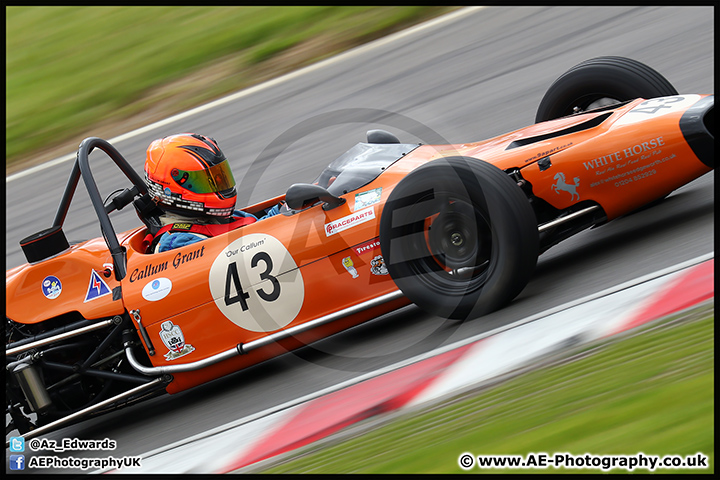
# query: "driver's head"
190,176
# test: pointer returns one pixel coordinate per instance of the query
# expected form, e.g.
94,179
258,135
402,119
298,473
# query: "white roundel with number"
256,283
655,107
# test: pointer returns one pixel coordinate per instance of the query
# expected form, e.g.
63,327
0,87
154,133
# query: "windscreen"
361,165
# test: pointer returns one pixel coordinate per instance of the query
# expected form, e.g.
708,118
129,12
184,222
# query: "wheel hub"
457,239
454,236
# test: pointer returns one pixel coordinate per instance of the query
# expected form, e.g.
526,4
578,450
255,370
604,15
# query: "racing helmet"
190,175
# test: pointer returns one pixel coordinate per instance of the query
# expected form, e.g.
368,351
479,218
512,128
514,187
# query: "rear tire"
599,82
459,237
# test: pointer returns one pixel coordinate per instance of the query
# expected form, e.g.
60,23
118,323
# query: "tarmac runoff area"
251,443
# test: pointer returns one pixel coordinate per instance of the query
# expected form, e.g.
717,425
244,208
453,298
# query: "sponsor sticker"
349,221
350,267
97,287
51,287
157,289
368,246
173,338
377,266
182,226
365,199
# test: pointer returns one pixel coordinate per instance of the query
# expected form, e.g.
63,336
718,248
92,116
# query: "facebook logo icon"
17,462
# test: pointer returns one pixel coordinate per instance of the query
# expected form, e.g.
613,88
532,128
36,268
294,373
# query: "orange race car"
456,229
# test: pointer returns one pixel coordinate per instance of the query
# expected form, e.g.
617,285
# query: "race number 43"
232,281
256,284
655,107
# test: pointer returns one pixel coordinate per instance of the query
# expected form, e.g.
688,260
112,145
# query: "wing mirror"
302,195
381,136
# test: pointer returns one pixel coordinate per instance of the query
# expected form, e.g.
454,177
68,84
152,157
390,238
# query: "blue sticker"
167,191
97,287
51,287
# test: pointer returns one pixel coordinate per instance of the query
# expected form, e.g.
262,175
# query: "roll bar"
82,168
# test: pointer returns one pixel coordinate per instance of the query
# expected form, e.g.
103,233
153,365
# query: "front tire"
459,237
600,82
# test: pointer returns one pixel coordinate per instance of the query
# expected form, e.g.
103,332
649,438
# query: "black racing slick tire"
599,82
459,237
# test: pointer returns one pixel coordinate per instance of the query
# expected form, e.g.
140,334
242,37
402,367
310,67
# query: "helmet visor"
214,179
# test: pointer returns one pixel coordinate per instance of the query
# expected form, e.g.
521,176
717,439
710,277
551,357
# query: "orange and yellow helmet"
190,175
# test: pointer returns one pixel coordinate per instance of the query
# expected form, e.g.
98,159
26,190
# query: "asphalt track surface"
477,76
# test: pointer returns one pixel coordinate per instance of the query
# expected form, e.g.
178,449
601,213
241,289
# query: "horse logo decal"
571,188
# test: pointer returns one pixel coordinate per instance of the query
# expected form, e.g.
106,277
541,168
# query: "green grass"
652,393
69,68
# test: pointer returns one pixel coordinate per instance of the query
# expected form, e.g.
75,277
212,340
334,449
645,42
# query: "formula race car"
455,229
